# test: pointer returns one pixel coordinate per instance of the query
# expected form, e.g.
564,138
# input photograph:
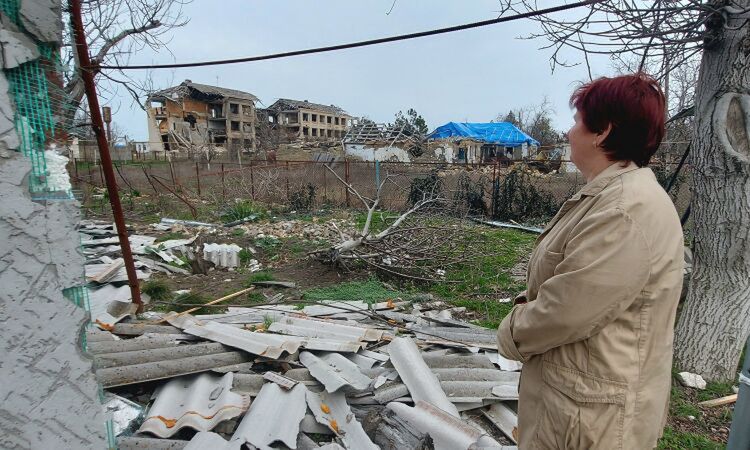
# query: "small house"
480,142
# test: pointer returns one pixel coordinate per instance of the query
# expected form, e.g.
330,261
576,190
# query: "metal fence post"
346,178
198,177
287,180
377,174
739,434
252,181
223,186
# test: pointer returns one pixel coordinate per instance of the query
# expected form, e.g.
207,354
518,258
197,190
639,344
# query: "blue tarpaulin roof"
500,133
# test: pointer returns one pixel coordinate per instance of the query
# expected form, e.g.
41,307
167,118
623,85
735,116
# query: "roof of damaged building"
202,92
501,133
370,132
285,104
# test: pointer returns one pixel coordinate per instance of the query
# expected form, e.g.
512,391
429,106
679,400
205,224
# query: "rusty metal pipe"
87,74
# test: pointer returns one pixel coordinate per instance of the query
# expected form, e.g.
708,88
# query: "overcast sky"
469,76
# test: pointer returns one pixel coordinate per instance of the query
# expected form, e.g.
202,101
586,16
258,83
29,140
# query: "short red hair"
634,105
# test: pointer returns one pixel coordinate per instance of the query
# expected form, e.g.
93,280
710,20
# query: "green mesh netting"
28,86
10,8
79,296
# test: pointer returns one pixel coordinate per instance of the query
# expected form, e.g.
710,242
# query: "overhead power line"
384,40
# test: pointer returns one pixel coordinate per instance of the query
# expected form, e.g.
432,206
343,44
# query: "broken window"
343,121
336,122
314,131
235,126
329,119
330,133
314,117
305,131
305,117
247,127
247,110
234,108
189,118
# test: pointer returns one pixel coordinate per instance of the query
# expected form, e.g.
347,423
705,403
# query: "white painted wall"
368,153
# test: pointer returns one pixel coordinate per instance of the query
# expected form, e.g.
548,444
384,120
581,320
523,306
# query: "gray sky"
466,76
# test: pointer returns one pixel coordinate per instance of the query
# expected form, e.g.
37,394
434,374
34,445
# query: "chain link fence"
513,193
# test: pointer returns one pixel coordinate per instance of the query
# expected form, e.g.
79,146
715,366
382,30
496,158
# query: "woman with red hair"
594,328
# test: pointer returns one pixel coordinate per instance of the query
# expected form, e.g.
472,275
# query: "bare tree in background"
419,244
116,29
535,120
715,319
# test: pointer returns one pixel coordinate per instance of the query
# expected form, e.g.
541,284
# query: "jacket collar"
592,188
599,182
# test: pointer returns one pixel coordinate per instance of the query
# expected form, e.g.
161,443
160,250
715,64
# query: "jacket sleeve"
606,263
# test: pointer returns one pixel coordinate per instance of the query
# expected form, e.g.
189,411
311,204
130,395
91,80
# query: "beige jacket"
596,334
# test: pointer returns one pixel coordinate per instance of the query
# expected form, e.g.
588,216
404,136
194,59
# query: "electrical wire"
366,43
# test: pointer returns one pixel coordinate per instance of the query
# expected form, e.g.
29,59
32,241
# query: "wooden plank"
719,401
504,419
108,272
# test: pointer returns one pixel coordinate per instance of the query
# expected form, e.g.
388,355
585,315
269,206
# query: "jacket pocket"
581,411
543,267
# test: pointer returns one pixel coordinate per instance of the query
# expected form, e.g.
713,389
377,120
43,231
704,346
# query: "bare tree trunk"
715,320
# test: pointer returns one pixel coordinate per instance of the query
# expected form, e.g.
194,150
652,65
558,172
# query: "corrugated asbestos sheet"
298,326
199,402
447,431
325,370
334,371
416,375
275,416
333,411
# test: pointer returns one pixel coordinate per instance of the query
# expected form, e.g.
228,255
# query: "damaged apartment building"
192,116
309,121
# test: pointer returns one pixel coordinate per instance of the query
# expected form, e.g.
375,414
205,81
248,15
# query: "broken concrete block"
42,18
691,380
17,47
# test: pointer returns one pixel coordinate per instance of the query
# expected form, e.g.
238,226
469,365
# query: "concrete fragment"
42,18
691,380
17,48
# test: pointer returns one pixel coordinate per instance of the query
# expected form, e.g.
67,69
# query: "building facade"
309,121
192,115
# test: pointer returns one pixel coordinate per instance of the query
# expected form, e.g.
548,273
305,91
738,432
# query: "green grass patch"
238,232
157,290
379,221
245,256
679,440
183,302
171,235
370,291
242,210
490,274
268,244
681,407
715,390
259,276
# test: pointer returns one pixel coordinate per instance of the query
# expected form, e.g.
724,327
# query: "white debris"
222,255
57,175
692,380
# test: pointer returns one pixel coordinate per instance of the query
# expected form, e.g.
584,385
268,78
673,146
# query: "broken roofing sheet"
447,431
325,372
421,382
333,411
197,401
275,416
335,371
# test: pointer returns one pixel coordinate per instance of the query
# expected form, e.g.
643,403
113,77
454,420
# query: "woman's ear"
602,136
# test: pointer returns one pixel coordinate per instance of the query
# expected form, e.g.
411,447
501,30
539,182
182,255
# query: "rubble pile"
332,375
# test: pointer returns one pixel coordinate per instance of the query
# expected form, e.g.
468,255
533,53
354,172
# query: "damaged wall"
48,391
371,153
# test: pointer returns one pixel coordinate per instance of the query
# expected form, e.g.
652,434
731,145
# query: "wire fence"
512,193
